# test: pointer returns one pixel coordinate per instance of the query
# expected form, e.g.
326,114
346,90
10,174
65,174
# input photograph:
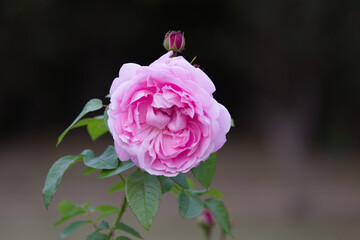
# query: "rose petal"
157,118
125,74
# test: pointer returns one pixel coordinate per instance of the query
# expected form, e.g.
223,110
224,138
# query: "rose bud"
174,41
206,218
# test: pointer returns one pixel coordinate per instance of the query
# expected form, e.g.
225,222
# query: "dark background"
298,58
288,72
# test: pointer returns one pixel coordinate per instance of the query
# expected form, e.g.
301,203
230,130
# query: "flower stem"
207,232
174,54
119,216
208,236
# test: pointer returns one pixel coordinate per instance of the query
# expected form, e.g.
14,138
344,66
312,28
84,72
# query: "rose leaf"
55,174
92,105
128,229
98,236
122,167
218,209
143,193
181,180
73,227
189,206
204,173
107,160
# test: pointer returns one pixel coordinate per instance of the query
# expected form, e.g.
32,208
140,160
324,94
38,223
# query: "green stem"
122,210
90,217
208,236
177,187
122,178
119,216
207,232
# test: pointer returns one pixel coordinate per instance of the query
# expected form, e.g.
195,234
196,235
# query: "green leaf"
143,193
103,225
197,192
181,180
189,206
106,118
214,193
232,123
65,207
54,176
217,207
128,229
117,187
108,213
98,236
69,215
210,192
107,160
105,208
190,183
122,238
166,184
89,171
73,227
122,167
87,207
204,173
175,190
92,105
95,126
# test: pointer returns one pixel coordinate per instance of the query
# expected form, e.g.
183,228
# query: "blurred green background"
288,71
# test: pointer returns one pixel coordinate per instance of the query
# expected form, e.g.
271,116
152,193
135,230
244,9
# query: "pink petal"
127,71
156,118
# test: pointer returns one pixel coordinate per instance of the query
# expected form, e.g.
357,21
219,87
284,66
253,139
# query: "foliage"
142,191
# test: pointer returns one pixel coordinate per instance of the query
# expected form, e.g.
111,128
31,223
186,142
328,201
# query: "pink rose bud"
206,218
174,41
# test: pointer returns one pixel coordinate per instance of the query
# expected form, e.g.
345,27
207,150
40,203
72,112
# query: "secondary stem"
118,218
92,222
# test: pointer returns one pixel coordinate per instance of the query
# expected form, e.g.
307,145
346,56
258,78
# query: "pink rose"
164,118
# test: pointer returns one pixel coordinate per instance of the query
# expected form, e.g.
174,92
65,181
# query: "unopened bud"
206,218
174,41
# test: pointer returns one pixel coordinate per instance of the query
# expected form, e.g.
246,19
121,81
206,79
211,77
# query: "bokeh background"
288,71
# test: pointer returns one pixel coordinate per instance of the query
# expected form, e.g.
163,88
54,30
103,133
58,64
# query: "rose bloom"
164,118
